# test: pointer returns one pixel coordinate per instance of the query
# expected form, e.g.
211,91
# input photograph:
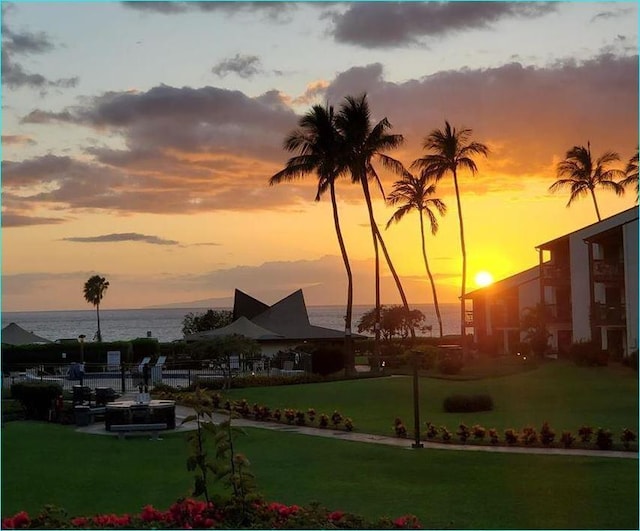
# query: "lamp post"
81,341
416,401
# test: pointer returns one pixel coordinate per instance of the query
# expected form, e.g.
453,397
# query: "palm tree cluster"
333,144
582,175
347,143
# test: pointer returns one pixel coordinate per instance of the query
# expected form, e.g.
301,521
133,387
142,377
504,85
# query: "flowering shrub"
445,433
432,431
493,436
300,418
336,418
627,437
529,435
511,436
348,424
311,413
604,439
567,439
277,415
463,433
324,421
197,514
399,428
290,415
478,432
546,434
585,433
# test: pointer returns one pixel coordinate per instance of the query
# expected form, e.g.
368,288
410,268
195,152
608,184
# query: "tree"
412,193
94,290
394,321
320,150
365,143
533,324
631,173
452,150
209,320
582,175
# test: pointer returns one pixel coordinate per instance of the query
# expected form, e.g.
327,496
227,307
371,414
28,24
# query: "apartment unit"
587,281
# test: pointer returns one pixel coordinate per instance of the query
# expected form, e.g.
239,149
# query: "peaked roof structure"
242,327
246,306
14,334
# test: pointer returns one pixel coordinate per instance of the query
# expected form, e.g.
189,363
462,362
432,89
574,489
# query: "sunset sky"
138,140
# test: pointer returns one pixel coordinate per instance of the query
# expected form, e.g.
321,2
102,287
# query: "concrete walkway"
183,412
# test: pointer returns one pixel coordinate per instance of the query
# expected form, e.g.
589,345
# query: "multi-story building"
587,281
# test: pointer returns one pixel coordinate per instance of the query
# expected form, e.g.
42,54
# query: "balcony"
555,276
558,313
608,314
607,271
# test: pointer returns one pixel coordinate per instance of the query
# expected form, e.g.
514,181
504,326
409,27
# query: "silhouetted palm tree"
365,143
94,289
631,173
582,175
412,193
320,149
451,149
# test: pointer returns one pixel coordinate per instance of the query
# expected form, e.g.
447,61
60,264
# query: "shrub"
432,431
323,422
546,434
348,424
311,413
511,436
585,433
300,420
277,415
588,353
467,403
327,359
567,439
604,439
445,433
529,435
399,428
463,433
478,431
627,437
493,436
290,415
36,397
336,418
450,365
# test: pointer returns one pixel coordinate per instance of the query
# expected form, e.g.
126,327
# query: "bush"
588,354
493,436
627,437
467,403
511,436
463,433
450,365
432,431
478,432
399,428
604,439
585,433
546,434
529,435
36,397
567,439
327,359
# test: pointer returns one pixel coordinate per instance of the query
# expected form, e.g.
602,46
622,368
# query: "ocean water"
166,324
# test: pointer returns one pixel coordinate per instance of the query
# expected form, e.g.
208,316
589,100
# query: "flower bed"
197,514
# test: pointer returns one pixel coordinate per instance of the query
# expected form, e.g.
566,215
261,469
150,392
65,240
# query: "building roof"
523,277
13,334
241,326
246,306
616,220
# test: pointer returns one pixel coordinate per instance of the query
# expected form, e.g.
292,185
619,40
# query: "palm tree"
412,193
94,289
631,172
452,150
365,143
320,149
582,175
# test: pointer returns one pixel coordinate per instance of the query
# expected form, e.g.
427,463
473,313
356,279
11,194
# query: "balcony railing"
607,270
552,274
608,314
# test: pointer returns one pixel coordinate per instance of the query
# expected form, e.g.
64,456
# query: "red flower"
336,515
80,521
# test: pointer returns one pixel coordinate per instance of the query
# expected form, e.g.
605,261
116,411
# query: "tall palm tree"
452,150
365,143
412,193
631,173
320,151
94,289
582,175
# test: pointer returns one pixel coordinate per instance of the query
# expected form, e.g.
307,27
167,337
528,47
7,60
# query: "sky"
138,140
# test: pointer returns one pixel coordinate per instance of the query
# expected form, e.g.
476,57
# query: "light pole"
81,341
416,401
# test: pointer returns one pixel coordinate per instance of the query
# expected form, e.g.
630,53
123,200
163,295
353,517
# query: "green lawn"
44,463
561,393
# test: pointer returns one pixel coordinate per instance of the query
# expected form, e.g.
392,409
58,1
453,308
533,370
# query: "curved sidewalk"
182,412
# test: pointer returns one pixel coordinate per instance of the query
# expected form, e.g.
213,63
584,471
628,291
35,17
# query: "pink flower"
79,521
336,515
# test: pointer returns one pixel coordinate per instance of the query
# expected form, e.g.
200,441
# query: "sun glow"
483,278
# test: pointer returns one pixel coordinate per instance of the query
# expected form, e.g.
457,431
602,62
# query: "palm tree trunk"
348,339
98,315
595,204
464,267
397,280
426,265
372,222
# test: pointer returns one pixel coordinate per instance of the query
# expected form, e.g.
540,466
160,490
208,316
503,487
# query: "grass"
560,393
87,474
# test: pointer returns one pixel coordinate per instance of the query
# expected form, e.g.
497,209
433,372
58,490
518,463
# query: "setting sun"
483,279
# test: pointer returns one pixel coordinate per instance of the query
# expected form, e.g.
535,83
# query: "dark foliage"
36,397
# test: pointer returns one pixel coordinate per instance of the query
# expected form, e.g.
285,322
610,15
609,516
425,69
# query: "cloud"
25,43
245,66
609,14
19,140
273,10
18,220
386,25
122,237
